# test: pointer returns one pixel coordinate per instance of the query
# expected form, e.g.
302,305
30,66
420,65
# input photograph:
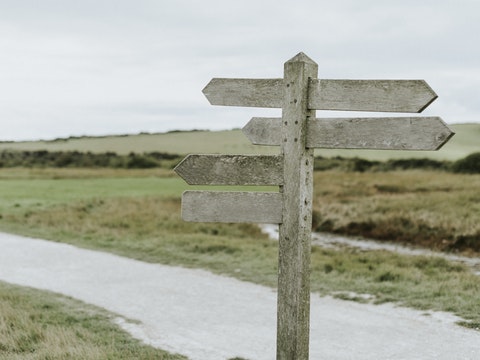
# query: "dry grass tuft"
424,208
36,324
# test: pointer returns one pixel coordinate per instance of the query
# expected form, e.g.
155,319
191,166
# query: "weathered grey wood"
231,170
299,94
326,94
232,207
371,95
264,131
409,133
293,319
392,133
245,92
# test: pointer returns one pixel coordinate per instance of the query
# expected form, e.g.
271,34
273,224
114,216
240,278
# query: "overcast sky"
97,67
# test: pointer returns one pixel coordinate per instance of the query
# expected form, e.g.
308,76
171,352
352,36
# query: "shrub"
141,162
468,165
362,165
72,159
423,163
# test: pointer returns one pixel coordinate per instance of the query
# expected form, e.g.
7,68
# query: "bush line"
467,165
76,159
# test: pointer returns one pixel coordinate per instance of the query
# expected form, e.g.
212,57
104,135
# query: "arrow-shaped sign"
232,207
299,94
245,92
409,96
395,133
231,170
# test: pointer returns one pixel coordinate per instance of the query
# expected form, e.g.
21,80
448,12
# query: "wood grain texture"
267,93
264,131
293,318
299,94
231,170
408,133
409,96
232,207
390,133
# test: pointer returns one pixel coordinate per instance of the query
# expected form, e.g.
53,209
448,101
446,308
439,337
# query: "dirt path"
210,317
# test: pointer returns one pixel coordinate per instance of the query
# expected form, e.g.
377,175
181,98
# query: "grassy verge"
432,209
138,215
141,219
404,206
41,325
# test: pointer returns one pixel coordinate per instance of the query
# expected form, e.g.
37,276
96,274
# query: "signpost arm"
299,94
293,317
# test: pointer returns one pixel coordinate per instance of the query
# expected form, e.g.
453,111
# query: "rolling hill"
465,142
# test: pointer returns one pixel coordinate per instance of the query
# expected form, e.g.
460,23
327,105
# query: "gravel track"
209,317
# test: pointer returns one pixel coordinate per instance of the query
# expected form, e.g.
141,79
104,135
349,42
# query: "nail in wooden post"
293,317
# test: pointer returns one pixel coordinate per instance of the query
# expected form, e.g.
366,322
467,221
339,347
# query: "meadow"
38,325
408,207
139,216
462,144
136,213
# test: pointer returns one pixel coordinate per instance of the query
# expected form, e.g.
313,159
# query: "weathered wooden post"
293,308
299,93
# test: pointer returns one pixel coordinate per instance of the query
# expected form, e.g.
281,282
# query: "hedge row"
469,164
87,159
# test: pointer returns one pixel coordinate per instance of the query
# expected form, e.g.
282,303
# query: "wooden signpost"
299,93
388,133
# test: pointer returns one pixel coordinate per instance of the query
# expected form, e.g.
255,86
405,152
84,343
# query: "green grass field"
465,142
139,217
38,324
433,209
136,213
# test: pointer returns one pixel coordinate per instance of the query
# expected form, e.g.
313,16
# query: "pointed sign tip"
181,166
444,137
301,57
428,90
206,90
